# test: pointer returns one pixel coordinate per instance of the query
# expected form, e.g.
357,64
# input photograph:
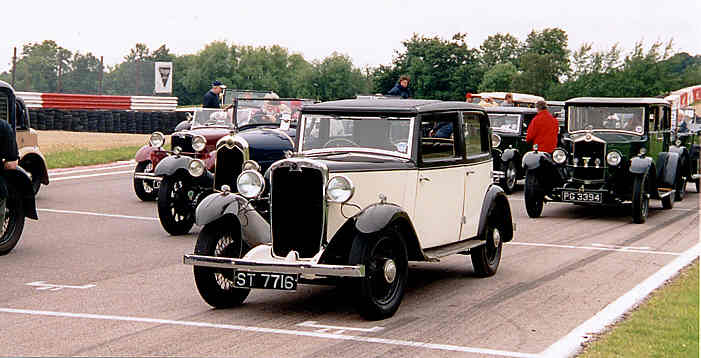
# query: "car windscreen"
329,133
269,111
504,122
212,117
606,118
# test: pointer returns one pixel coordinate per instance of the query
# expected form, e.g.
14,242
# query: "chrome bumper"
147,176
302,268
696,176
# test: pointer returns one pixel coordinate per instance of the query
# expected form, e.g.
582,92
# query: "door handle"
424,179
470,171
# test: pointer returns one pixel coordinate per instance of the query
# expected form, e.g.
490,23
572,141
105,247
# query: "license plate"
581,197
267,280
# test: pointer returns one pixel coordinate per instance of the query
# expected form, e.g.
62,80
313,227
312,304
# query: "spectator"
488,102
211,98
543,129
508,100
401,89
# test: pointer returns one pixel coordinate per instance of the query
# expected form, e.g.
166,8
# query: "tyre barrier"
105,121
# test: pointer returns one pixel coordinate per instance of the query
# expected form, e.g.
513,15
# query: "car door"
440,182
478,170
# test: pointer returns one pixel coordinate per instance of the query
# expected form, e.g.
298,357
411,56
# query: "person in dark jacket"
9,156
543,129
211,98
401,89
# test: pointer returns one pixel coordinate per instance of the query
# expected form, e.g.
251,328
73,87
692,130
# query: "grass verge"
666,325
79,157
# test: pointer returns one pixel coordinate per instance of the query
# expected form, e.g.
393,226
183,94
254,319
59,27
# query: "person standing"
211,98
401,89
543,129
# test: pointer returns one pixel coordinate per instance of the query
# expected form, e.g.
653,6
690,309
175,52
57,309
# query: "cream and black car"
368,188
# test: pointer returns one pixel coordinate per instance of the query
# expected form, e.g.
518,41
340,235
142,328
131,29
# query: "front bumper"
147,176
296,267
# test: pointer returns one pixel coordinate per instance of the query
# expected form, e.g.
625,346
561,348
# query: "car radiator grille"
184,142
297,211
589,152
228,167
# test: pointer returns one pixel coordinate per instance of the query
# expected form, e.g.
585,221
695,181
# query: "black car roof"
518,110
404,106
4,84
616,101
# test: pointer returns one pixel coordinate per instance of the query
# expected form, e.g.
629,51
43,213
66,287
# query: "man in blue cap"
211,98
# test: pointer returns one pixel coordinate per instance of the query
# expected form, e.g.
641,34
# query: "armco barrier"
85,101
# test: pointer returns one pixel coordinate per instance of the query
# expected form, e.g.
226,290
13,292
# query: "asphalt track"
98,276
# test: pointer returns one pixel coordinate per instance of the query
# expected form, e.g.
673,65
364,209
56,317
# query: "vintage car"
365,192
509,126
16,187
557,109
31,157
615,151
687,144
263,130
520,99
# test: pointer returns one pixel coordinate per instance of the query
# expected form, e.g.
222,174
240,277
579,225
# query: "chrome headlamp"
250,184
198,143
157,139
339,189
496,140
251,165
613,158
559,156
196,168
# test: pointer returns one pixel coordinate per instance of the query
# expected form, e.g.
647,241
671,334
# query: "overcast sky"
368,31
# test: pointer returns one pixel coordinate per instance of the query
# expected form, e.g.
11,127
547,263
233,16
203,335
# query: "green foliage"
498,78
500,49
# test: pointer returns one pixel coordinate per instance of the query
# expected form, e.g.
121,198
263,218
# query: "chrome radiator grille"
585,156
228,167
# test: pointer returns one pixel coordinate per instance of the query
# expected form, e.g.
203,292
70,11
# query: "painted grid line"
595,248
98,214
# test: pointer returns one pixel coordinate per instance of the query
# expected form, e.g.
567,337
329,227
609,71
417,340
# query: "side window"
4,110
437,140
21,116
653,119
476,133
665,118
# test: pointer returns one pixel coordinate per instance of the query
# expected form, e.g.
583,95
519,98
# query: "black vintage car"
614,151
688,145
509,126
16,190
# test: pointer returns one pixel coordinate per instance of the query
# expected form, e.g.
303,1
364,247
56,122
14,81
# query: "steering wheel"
352,143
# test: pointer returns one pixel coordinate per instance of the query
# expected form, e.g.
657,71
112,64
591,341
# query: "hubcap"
496,238
390,270
511,176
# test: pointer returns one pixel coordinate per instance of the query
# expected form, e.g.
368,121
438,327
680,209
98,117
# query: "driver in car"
272,108
9,156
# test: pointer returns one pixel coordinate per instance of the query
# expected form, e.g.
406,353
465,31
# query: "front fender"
35,163
509,154
496,199
144,153
377,216
171,164
531,160
254,229
19,180
667,172
640,165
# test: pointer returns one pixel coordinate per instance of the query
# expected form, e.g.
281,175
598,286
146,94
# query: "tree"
38,66
500,48
336,78
551,44
498,78
84,74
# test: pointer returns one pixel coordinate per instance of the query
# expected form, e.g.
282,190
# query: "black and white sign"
164,77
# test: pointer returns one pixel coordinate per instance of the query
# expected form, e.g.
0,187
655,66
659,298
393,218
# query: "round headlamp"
250,184
559,156
251,165
339,189
198,143
196,168
613,158
496,140
678,142
157,139
643,151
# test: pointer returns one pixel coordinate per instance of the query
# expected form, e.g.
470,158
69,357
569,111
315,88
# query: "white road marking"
337,329
91,175
595,248
55,174
570,344
98,214
341,337
42,285
623,247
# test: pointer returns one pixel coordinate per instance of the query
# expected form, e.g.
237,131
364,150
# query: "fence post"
14,67
99,76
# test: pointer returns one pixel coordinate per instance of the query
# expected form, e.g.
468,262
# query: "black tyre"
216,285
533,196
175,209
508,183
386,269
11,228
668,201
640,199
146,190
486,258
680,185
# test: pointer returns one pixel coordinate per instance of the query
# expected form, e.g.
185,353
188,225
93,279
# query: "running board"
435,253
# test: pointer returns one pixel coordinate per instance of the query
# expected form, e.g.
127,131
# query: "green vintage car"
509,126
614,151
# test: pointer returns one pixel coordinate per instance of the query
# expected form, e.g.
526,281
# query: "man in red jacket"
543,129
